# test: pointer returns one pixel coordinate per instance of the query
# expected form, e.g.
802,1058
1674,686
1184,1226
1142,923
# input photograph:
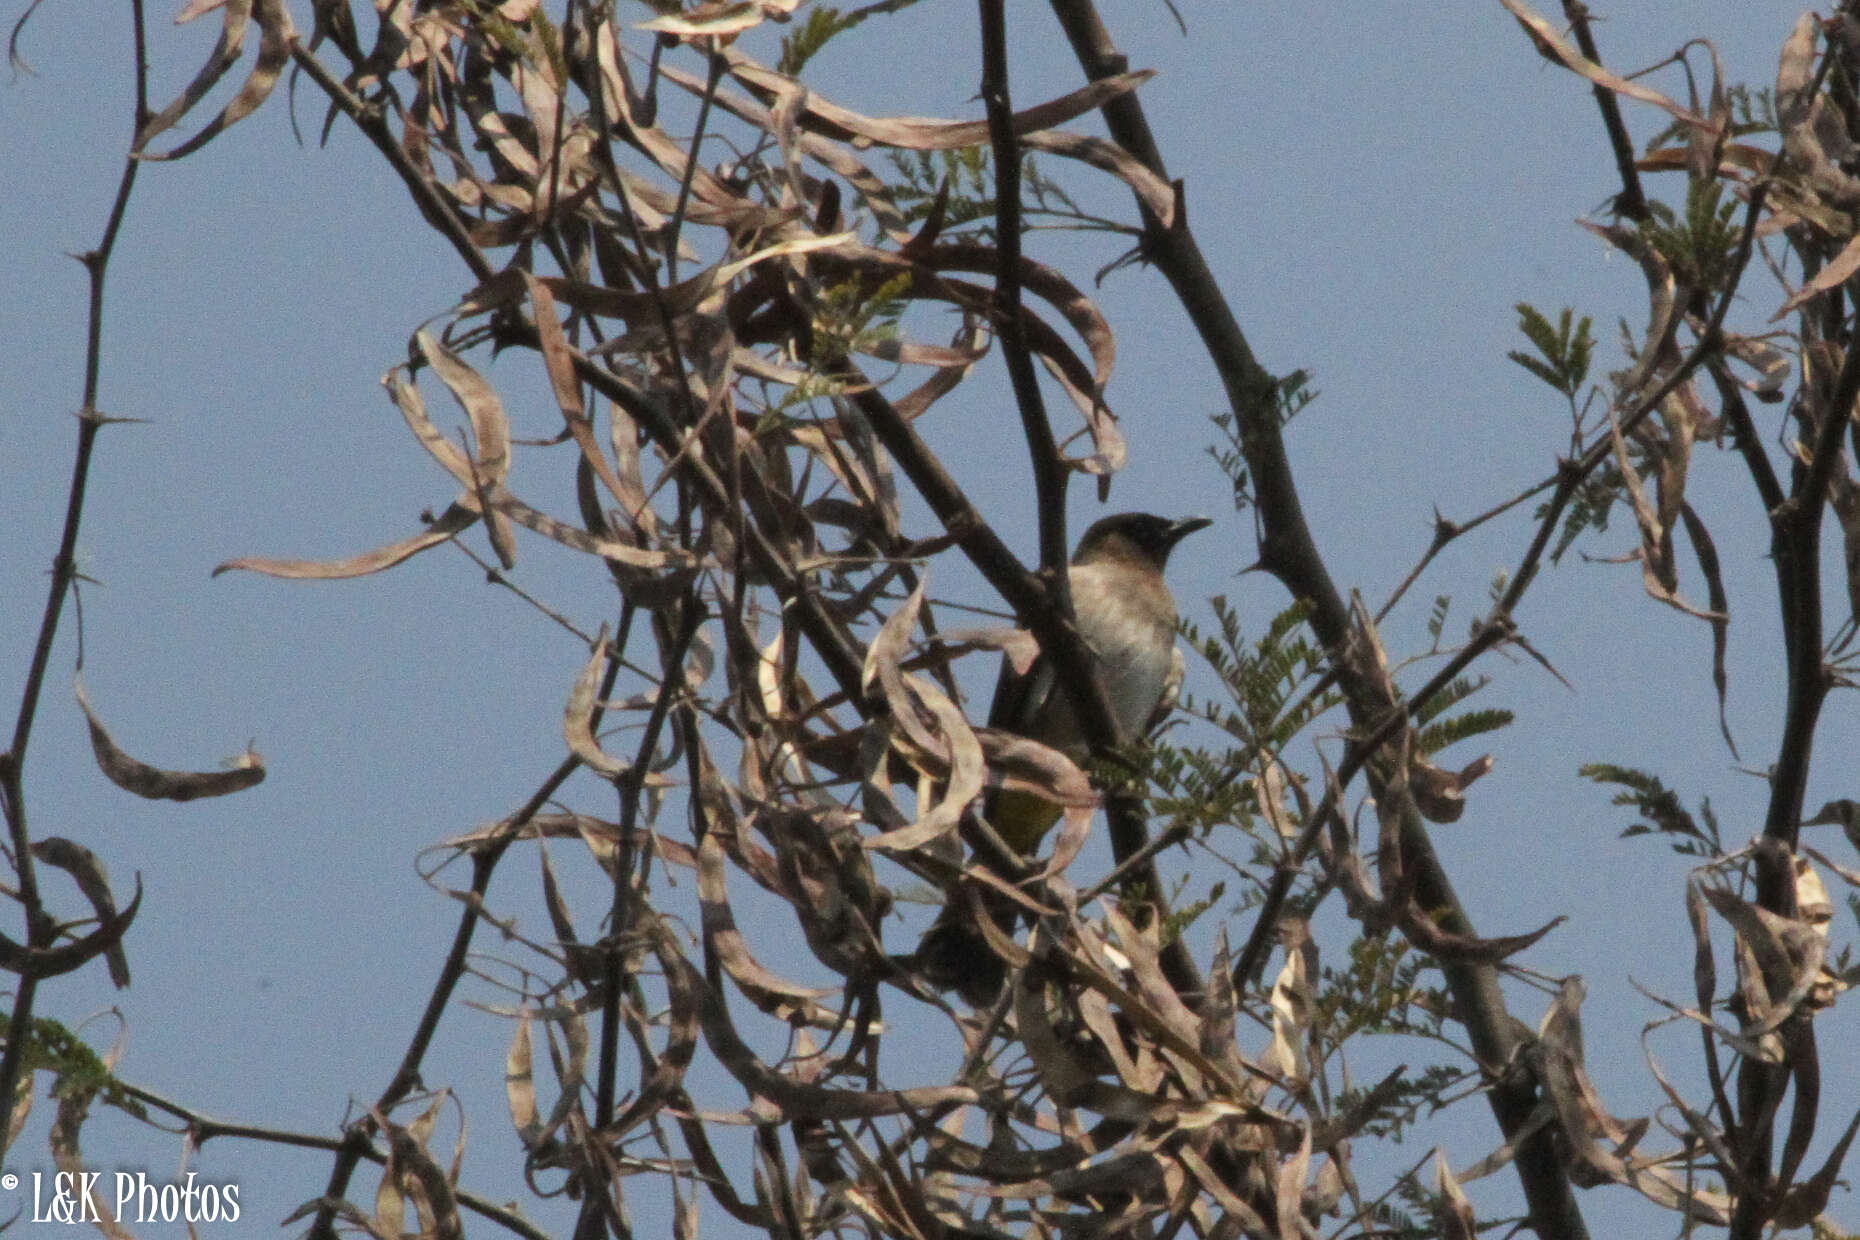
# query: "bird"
1127,616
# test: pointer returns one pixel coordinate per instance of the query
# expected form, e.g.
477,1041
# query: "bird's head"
1136,535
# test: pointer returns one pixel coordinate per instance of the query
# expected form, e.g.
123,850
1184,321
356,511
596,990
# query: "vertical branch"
1631,202
39,926
1290,553
1049,472
676,227
620,915
1128,831
1799,531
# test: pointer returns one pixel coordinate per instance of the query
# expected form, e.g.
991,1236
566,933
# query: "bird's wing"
1172,691
1021,697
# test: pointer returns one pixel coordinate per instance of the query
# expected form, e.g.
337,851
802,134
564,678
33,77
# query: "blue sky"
1376,186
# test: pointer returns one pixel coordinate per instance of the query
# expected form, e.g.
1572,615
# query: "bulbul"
1127,616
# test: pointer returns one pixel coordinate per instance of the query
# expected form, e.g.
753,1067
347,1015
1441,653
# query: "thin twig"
203,1128
484,863
1049,472
1631,202
631,784
40,928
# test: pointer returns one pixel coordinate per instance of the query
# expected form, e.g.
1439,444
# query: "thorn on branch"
1445,530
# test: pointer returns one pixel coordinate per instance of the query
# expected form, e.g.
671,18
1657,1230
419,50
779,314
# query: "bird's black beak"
1186,526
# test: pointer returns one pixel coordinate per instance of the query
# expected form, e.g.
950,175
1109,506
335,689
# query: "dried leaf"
490,429
88,1204
1441,794
1024,765
1718,617
1291,1007
406,397
520,1086
774,995
411,1171
672,559
456,518
1814,135
275,37
1787,951
1553,46
225,54
1290,1189
1835,274
1804,1202
160,785
1457,1220
93,881
883,666
714,20
1704,965
913,133
578,714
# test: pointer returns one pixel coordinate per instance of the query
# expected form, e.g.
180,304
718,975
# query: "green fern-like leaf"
1698,247
1380,991
1660,808
968,173
815,31
1567,347
1437,618
1449,697
1590,507
78,1072
1461,727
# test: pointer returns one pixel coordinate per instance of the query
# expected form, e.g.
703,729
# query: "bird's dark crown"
1145,534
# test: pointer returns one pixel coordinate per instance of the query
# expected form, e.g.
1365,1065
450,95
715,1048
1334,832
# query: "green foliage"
1588,507
549,44
1232,461
971,202
1752,112
1403,1100
1184,912
1566,351
1699,246
1266,679
1046,196
1379,992
819,27
854,315
1436,736
1841,963
1294,392
815,31
1397,1224
1661,810
1462,727
1195,789
1437,618
849,316
967,172
500,29
1290,395
77,1070
1272,697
